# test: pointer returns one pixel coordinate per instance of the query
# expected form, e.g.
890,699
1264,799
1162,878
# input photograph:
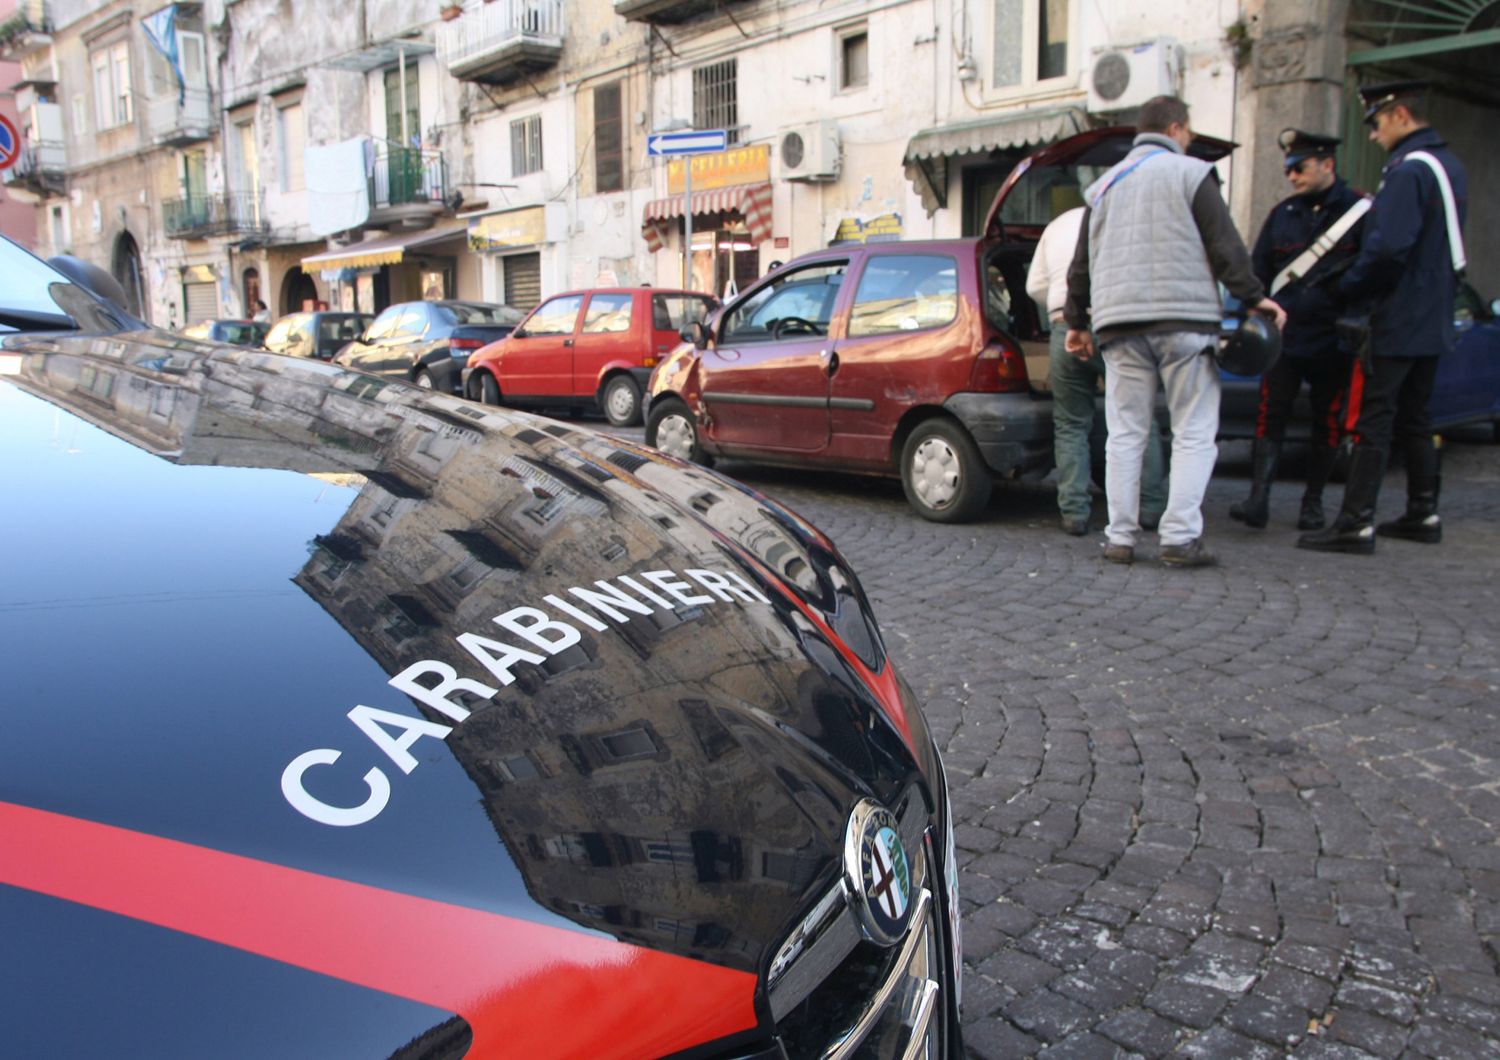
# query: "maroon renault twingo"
905,359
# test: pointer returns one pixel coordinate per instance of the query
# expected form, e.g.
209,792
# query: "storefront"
731,219
366,277
513,244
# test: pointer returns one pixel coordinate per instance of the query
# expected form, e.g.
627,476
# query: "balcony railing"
25,30
664,10
200,216
405,176
41,168
177,122
502,40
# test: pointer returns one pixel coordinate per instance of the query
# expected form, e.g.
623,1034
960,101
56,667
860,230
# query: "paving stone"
995,1039
1046,1015
1083,1046
1157,941
1141,1031
1269,1020
1219,1042
1098,993
1018,971
1186,1003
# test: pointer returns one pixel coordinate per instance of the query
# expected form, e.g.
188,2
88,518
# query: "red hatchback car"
906,358
585,349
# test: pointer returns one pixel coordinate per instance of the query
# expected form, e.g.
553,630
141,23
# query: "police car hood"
404,716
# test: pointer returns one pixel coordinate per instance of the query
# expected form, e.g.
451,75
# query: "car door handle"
833,363
567,342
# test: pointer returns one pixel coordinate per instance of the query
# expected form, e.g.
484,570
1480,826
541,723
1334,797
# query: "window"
526,146
673,312
245,178
609,139
80,115
904,292
555,317
716,98
194,66
403,116
627,744
854,58
59,227
607,312
1030,42
113,103
291,145
385,323
798,303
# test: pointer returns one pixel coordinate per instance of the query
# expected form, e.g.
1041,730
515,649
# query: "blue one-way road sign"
687,142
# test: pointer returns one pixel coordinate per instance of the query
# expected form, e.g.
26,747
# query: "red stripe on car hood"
526,989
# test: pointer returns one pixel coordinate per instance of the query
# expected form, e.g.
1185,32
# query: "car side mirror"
698,334
91,278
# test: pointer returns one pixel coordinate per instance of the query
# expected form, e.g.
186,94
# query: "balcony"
179,123
664,11
28,29
201,216
502,41
40,169
407,188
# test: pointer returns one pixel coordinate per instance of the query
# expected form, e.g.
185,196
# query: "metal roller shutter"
523,281
201,300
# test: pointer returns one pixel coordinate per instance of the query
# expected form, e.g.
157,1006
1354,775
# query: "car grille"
842,997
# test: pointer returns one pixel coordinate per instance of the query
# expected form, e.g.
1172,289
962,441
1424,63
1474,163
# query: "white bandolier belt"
1450,209
1302,264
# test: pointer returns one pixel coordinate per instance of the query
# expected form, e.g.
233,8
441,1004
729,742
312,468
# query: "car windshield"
34,296
479,313
242,333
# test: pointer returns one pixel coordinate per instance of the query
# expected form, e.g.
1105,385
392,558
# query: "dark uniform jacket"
1311,304
1404,272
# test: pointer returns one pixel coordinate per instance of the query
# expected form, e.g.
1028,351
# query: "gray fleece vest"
1146,257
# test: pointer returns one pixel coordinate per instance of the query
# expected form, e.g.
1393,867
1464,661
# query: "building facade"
221,154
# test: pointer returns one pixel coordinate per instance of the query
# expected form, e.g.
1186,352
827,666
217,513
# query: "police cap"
1298,144
1377,97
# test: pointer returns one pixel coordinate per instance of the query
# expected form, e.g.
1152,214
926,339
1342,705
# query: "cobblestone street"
1245,811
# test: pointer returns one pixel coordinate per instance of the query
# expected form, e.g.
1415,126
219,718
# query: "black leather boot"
1319,464
1255,510
1353,529
1424,479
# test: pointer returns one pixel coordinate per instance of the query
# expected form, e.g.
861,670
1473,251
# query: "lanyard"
1120,174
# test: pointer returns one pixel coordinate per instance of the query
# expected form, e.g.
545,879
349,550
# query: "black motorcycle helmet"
1251,348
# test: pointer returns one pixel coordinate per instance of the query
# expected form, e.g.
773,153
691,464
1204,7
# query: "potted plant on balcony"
450,11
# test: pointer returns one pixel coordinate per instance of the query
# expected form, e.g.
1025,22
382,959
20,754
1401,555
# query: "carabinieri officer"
1307,240
1407,274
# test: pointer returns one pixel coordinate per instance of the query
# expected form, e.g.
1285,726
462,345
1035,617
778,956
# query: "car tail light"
465,344
999,369
648,361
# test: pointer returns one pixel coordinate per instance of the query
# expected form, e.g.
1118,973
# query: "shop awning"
751,201
928,151
386,250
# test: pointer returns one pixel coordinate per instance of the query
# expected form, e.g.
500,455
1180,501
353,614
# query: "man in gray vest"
1156,238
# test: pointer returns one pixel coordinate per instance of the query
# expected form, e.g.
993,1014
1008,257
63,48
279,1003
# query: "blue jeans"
1074,386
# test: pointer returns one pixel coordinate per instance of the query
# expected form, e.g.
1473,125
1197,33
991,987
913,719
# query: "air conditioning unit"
810,152
1122,78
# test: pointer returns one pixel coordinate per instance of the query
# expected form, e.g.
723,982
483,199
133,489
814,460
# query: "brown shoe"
1119,553
1192,554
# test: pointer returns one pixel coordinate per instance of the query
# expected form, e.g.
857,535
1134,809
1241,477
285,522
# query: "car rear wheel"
944,476
672,429
489,390
622,401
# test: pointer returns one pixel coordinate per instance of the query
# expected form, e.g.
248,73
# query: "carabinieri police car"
348,719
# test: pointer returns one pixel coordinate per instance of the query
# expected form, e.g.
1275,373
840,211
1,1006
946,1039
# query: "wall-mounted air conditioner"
1124,77
810,152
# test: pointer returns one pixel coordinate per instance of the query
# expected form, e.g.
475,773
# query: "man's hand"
1079,343
1272,310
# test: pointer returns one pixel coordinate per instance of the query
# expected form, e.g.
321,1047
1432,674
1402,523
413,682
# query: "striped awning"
387,250
750,201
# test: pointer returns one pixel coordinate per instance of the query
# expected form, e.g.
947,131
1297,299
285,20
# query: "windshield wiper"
26,320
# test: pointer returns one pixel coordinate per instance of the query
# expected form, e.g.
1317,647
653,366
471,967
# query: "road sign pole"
687,217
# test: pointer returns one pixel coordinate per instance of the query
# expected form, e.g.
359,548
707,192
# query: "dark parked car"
428,343
348,719
318,334
234,332
907,358
1466,392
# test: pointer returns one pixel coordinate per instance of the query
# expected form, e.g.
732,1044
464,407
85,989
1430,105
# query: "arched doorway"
250,290
125,266
297,287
